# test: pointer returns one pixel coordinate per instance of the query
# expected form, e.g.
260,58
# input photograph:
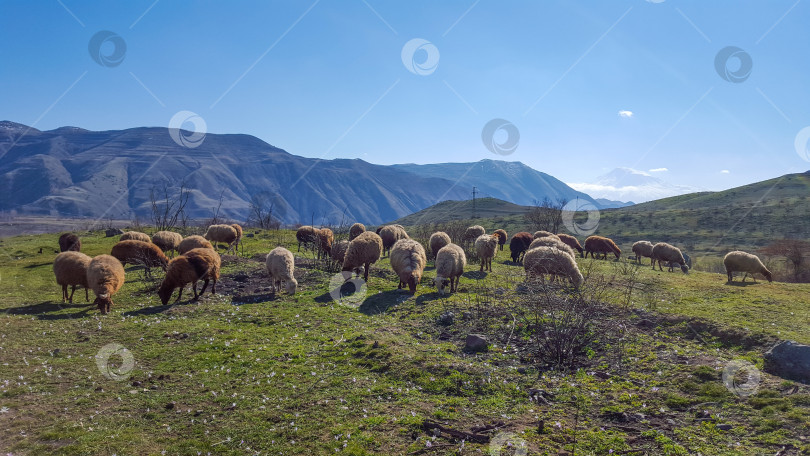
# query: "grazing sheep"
739,261
238,241
643,249
193,242
519,244
552,242
486,246
438,240
281,268
599,244
355,230
666,253
325,239
70,268
408,261
390,234
550,260
167,240
338,252
501,238
105,276
70,242
450,262
472,233
138,252
200,263
135,236
222,233
543,233
364,250
306,235
572,242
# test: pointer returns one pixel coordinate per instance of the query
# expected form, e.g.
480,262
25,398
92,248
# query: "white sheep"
167,241
70,268
408,261
552,241
438,240
486,246
135,236
739,261
553,261
193,242
669,254
450,263
543,233
472,233
643,249
338,252
281,268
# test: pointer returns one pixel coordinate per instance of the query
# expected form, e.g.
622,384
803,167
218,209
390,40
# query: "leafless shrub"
168,205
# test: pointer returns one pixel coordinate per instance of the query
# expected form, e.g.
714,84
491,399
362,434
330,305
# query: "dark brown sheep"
201,263
70,242
138,252
572,242
598,244
519,244
501,237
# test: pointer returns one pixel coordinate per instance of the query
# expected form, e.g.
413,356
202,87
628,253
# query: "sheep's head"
103,302
685,269
412,281
165,292
768,275
441,283
290,286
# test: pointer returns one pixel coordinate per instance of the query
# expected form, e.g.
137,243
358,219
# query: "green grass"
247,372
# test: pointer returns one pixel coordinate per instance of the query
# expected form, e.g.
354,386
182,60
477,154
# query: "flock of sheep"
542,253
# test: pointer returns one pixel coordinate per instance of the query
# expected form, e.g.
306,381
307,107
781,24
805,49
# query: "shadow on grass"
45,310
433,296
37,265
381,302
741,284
241,299
475,275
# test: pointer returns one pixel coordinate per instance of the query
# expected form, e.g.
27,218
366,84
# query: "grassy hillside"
247,371
485,208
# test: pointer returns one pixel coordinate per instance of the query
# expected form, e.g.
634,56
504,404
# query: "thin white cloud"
658,170
626,114
725,171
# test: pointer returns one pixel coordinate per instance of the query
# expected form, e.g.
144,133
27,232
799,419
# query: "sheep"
390,234
222,233
519,244
281,268
70,242
438,240
501,237
105,276
136,236
238,241
167,240
450,262
325,239
599,244
200,263
472,233
663,252
355,230
552,242
739,261
364,250
193,242
408,261
338,252
139,252
306,235
551,260
70,268
572,242
543,233
486,246
643,249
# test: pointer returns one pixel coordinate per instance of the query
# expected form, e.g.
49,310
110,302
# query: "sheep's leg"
214,286
205,285
729,276
744,276
194,288
72,290
365,273
64,293
179,294
86,295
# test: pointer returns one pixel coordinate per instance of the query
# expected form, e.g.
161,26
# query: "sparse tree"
168,205
795,252
546,214
262,208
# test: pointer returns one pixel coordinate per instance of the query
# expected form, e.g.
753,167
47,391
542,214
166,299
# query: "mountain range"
74,172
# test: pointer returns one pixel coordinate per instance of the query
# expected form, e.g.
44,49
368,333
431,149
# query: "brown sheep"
201,263
338,252
599,244
306,235
139,252
70,268
501,237
238,242
669,254
325,239
364,250
135,235
572,242
167,240
643,249
355,230
739,261
438,240
70,242
223,233
105,276
519,244
390,234
193,242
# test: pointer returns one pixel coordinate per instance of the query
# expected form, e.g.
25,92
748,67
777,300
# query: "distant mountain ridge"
627,184
75,172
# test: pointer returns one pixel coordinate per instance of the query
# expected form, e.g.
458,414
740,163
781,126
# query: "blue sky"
327,79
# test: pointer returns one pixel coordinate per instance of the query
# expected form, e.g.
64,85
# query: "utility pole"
474,192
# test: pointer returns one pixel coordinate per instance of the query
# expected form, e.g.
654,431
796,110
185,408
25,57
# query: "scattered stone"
241,277
790,360
645,323
724,427
447,318
56,352
250,235
445,335
113,232
154,387
475,343
136,383
467,315
639,417
170,406
521,370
